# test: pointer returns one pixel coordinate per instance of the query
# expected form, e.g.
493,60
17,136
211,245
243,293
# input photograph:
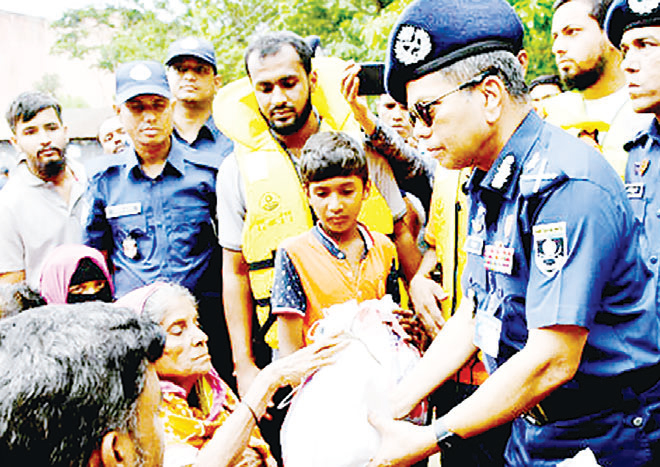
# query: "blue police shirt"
643,189
552,240
161,228
210,139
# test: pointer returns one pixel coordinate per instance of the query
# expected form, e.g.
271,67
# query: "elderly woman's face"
186,356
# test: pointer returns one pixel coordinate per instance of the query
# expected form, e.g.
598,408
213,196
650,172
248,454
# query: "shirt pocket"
192,231
132,237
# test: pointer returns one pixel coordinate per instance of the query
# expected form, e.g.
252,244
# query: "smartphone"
372,79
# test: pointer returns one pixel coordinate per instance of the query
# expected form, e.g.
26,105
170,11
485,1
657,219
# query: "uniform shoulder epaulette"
540,174
203,158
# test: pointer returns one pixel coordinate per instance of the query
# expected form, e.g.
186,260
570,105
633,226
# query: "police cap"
192,47
628,14
141,77
432,34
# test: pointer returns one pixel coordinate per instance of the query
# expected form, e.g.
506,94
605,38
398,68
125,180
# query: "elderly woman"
75,274
205,424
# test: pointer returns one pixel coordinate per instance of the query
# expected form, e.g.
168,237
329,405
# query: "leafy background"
355,29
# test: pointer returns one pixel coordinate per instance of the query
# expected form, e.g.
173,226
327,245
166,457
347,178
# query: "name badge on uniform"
487,334
499,258
119,210
474,245
635,190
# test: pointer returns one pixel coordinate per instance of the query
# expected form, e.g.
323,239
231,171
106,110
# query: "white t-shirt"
34,219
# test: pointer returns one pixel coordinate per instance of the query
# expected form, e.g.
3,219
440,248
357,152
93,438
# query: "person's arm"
406,249
407,162
238,304
288,303
290,333
231,438
450,350
550,358
426,294
12,277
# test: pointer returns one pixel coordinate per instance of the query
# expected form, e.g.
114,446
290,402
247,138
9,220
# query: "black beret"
628,14
431,34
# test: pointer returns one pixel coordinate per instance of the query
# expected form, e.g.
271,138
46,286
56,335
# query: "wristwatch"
443,437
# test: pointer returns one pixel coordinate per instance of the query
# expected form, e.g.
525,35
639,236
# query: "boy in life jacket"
339,259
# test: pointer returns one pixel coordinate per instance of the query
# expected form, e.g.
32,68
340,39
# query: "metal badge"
474,245
635,190
642,166
130,248
412,45
479,221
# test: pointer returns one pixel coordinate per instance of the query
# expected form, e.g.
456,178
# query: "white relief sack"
327,425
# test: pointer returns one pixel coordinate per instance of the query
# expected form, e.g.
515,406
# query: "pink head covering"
59,267
136,299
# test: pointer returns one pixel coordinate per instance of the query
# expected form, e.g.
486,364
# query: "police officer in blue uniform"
153,211
558,295
194,80
634,27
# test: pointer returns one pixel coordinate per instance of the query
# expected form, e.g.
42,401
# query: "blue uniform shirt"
643,188
160,228
210,139
552,240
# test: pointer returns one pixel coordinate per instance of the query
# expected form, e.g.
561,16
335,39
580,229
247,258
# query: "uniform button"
637,421
653,259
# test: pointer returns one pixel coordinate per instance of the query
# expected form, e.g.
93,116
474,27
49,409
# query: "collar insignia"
503,173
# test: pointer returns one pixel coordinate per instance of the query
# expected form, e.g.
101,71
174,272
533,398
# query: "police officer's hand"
401,443
349,88
426,295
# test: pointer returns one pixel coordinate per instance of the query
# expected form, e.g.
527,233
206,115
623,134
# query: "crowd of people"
158,304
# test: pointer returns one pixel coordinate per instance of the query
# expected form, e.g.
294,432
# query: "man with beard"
194,80
153,211
262,200
41,206
590,66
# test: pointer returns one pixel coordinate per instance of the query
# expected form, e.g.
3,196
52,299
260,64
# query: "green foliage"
536,16
351,29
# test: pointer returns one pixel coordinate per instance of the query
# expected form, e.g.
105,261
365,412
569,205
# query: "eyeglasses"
422,111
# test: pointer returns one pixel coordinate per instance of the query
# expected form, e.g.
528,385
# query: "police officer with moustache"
153,210
634,27
562,306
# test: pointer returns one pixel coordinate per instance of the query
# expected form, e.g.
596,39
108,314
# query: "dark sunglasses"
422,111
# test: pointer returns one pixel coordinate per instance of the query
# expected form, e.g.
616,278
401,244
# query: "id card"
487,334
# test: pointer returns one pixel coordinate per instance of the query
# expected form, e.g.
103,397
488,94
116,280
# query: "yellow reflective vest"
277,207
568,111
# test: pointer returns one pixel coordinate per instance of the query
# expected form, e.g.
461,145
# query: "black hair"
270,43
18,297
27,105
332,154
71,374
546,79
598,9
